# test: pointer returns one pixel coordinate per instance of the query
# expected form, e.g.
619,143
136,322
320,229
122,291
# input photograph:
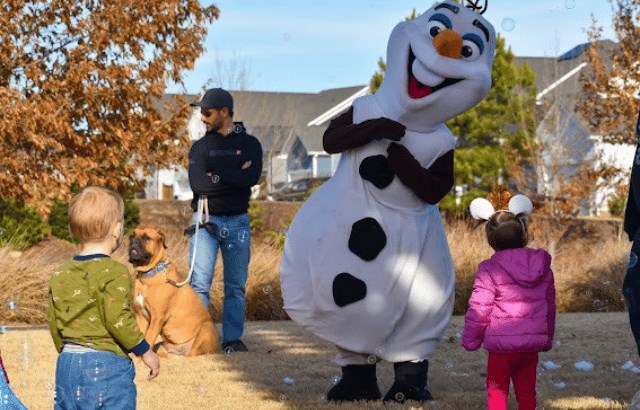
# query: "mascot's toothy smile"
418,90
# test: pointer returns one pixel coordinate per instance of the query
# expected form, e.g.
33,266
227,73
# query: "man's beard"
215,126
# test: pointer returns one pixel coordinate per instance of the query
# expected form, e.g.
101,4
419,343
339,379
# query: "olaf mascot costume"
366,264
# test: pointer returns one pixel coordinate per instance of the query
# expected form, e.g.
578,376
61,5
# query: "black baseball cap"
215,98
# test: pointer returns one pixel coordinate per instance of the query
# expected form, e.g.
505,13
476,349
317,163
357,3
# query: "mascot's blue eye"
435,27
470,49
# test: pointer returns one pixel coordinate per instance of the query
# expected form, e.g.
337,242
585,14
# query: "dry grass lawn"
287,368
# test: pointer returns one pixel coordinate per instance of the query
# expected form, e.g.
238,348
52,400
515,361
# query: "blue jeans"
95,379
233,238
631,289
8,399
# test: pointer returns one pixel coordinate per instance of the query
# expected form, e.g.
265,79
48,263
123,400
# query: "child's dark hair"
506,231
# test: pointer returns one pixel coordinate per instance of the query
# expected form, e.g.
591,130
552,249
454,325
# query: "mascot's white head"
438,66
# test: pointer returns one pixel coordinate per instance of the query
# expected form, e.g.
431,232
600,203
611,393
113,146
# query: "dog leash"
203,207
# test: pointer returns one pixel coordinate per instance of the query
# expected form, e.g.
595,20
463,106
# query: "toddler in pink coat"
512,308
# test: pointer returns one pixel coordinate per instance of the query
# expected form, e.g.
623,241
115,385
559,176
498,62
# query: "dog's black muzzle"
138,255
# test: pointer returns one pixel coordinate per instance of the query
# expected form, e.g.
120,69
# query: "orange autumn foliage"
611,89
80,85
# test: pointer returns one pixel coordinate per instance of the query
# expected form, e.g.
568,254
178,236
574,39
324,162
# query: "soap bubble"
286,36
570,4
335,380
25,354
508,24
101,399
371,359
78,393
97,370
58,396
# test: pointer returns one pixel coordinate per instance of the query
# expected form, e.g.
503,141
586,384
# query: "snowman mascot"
366,263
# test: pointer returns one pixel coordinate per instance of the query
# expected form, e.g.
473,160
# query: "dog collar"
155,270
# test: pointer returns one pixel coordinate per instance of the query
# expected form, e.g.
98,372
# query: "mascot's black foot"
410,383
358,382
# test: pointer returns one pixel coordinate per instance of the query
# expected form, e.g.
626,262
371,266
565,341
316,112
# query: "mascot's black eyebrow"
481,26
454,9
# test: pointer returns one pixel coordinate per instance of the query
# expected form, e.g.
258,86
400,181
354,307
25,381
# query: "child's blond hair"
93,212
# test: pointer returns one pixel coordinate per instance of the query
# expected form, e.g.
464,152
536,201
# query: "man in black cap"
223,166
631,284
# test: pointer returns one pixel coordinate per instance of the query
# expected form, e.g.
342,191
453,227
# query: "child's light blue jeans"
92,379
8,399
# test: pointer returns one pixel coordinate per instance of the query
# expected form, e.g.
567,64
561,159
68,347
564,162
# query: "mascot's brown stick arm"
342,134
430,185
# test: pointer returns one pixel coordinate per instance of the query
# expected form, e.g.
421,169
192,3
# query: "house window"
323,167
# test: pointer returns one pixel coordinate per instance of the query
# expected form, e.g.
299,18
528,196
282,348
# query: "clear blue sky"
304,46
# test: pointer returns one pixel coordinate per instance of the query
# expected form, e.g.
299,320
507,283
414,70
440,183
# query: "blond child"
90,318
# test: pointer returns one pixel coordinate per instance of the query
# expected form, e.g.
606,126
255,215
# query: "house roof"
278,118
559,77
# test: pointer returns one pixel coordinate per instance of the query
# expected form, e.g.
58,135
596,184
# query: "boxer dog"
161,307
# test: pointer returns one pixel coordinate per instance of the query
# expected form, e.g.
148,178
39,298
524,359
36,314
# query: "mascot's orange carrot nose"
448,43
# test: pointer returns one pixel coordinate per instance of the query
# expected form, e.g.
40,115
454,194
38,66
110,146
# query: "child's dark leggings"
631,289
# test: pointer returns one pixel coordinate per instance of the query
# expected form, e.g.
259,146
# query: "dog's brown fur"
164,309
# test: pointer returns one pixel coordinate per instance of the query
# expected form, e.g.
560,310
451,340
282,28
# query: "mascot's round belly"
368,268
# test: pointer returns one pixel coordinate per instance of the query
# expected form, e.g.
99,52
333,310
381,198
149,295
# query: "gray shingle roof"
277,118
558,79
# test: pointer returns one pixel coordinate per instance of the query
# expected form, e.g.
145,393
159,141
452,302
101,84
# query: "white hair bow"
482,209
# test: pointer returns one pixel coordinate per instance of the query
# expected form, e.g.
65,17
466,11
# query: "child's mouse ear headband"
482,209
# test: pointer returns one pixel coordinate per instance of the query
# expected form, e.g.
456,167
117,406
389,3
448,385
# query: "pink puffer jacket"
513,305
